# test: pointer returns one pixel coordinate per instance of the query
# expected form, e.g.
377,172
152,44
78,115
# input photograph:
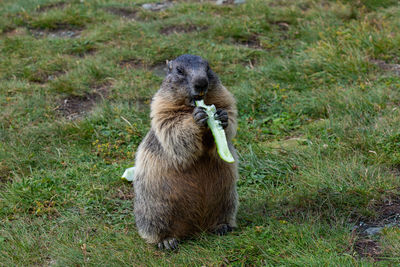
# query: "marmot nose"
201,85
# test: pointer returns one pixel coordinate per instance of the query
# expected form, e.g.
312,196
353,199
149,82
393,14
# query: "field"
318,91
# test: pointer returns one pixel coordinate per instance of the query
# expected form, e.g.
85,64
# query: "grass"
318,134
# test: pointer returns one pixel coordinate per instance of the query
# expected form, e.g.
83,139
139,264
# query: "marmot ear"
169,65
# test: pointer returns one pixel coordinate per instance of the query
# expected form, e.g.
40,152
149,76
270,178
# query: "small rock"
147,6
56,33
63,34
228,2
373,230
387,66
156,6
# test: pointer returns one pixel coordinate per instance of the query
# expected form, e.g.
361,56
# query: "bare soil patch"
174,29
305,6
252,42
55,75
159,69
15,32
367,230
367,247
7,30
5,173
46,7
132,64
282,25
395,170
73,107
45,77
63,31
387,66
124,192
123,12
387,212
86,52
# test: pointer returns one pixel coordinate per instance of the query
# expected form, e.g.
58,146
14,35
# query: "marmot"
181,184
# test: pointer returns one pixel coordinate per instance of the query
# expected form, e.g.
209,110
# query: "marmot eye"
180,71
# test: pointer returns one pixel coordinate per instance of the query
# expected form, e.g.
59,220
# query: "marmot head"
191,77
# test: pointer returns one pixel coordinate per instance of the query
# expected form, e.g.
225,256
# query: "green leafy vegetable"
217,131
129,174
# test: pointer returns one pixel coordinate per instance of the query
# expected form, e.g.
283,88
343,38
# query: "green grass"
318,134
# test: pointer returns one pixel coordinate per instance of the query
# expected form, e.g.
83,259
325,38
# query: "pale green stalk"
217,131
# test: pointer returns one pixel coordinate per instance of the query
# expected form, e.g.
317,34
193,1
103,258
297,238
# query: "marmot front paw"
200,116
222,116
168,244
223,229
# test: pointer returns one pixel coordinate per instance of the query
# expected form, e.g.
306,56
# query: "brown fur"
182,186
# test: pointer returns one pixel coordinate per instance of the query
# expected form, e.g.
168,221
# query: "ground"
317,84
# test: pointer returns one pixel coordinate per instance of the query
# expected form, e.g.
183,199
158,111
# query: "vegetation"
317,84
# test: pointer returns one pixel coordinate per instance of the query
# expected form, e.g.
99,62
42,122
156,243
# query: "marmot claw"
168,244
223,229
200,116
222,116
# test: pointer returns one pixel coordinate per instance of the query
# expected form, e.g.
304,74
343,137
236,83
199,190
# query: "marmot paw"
222,116
200,116
222,229
168,244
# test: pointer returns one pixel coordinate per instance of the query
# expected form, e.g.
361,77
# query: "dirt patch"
388,213
5,173
282,25
16,32
174,29
42,77
155,7
73,107
159,69
55,75
367,230
252,42
7,29
46,7
124,193
85,52
366,247
395,170
56,33
132,64
305,6
395,68
123,12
